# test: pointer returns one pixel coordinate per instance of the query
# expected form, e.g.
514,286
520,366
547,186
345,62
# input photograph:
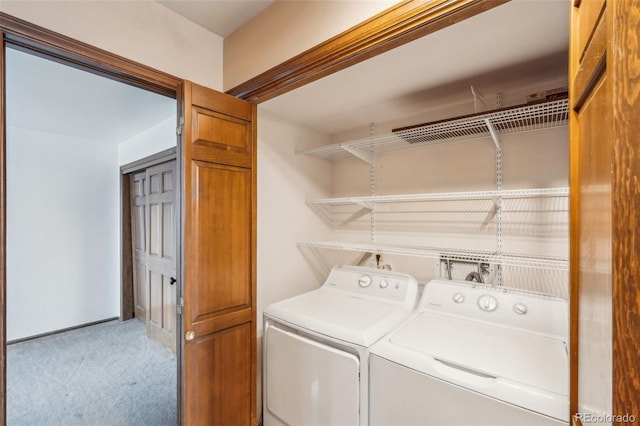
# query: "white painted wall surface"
285,181
153,140
62,232
263,42
144,31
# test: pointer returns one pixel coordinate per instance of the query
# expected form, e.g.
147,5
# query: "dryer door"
308,382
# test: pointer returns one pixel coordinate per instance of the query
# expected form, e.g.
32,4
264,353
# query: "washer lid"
506,353
342,315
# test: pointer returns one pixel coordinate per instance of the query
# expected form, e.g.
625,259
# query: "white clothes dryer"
316,346
474,355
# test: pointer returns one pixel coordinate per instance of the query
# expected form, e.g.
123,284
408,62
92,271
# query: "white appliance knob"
520,308
458,297
487,303
364,281
384,283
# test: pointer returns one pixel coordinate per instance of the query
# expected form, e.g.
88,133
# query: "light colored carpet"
104,375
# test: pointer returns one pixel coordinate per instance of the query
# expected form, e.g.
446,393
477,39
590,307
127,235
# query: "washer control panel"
497,304
374,283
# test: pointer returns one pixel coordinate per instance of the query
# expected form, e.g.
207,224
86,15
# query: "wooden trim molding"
127,302
157,158
574,219
3,241
398,25
40,41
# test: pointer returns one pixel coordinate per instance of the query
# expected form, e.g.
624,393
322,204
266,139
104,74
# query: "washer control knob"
384,283
364,281
458,297
487,303
520,308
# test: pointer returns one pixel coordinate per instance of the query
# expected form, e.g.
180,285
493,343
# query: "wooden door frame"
400,24
126,237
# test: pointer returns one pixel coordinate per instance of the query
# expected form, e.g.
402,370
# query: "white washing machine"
474,355
316,346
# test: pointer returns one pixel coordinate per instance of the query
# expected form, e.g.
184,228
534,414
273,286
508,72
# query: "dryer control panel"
374,283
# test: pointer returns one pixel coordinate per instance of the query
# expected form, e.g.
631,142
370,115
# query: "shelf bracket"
365,156
494,133
365,204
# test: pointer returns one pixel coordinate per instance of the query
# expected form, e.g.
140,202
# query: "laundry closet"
441,158
445,158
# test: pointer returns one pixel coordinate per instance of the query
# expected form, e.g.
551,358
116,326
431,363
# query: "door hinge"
180,306
180,126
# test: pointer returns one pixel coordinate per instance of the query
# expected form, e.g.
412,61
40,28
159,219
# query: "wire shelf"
446,196
505,259
513,120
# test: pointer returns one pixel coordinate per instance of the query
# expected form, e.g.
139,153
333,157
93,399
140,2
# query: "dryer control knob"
364,281
458,297
487,303
520,308
384,283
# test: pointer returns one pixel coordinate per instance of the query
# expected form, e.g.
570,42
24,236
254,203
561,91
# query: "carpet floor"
107,374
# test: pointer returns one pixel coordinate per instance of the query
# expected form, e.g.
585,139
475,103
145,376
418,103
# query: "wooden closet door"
161,259
605,208
219,335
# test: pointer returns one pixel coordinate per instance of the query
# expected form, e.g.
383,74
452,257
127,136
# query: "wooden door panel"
219,353
168,231
223,362
155,305
221,139
222,260
589,11
595,291
139,243
141,296
591,211
155,231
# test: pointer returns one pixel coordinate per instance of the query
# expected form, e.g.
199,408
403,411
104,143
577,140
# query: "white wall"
153,140
144,31
261,43
62,232
285,181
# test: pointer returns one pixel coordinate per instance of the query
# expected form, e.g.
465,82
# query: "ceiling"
506,49
48,96
221,17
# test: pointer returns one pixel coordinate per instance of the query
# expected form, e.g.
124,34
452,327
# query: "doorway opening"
68,133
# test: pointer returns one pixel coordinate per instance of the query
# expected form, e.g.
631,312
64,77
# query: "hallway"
105,374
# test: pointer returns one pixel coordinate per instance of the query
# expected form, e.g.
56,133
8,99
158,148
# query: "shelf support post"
365,156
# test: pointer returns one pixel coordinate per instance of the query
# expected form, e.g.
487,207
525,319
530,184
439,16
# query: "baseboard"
62,330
